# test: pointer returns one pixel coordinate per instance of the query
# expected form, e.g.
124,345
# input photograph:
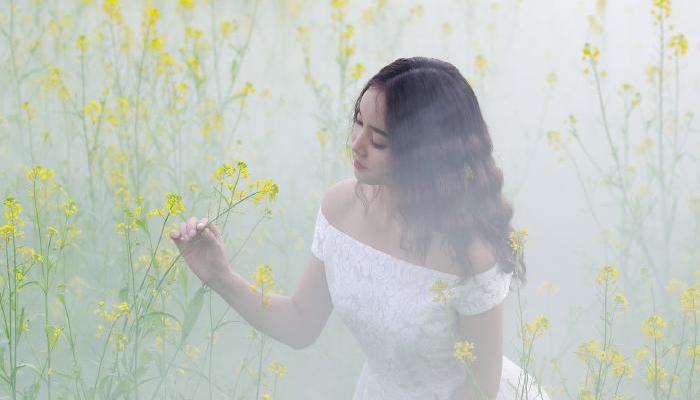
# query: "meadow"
119,120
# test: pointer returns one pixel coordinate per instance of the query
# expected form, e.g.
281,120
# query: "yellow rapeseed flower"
173,204
690,298
111,8
661,9
463,351
620,299
82,43
152,16
652,327
439,288
518,239
357,70
607,273
678,44
276,367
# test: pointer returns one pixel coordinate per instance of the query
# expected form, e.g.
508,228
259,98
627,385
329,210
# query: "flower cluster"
263,279
463,351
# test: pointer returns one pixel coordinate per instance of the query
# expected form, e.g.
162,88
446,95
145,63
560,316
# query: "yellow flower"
70,207
463,351
188,4
690,298
662,8
480,64
265,188
173,203
276,367
655,372
111,8
588,350
652,327
338,4
439,288
678,44
537,327
591,54
13,220
248,88
263,279
518,240
622,369
93,110
120,341
152,16
227,28
642,352
322,136
608,273
357,70
82,43
620,299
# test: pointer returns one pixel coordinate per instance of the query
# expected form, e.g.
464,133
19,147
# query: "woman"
425,264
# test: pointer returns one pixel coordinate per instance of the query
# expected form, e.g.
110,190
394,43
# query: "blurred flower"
620,299
227,28
276,367
608,273
111,8
463,351
357,70
662,8
652,327
678,44
262,278
518,239
152,16
690,298
439,289
82,43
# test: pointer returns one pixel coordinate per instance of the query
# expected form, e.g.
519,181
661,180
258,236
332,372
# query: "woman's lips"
358,165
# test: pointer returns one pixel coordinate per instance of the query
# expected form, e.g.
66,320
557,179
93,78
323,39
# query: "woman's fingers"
202,222
191,227
215,230
183,231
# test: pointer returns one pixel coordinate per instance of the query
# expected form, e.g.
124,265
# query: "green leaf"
141,224
192,310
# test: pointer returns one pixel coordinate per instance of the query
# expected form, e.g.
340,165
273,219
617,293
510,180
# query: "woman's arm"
297,320
485,330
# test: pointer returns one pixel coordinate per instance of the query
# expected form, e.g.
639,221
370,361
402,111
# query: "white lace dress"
407,336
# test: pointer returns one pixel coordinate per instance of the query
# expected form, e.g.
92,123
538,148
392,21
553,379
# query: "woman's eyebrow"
374,128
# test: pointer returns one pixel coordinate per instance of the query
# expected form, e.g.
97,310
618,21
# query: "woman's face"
369,141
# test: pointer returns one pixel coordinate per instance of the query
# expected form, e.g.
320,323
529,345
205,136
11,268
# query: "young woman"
425,263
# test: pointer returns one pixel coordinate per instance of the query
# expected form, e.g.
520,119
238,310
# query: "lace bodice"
403,315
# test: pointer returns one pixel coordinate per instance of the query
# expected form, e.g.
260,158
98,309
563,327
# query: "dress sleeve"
319,235
481,292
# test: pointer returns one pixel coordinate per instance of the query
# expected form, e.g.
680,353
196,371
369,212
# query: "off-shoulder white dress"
407,335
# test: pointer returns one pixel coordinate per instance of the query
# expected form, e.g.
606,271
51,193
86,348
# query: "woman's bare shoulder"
338,199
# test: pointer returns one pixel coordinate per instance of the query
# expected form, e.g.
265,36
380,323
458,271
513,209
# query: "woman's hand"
203,249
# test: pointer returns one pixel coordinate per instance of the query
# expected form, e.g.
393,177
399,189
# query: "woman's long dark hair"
443,174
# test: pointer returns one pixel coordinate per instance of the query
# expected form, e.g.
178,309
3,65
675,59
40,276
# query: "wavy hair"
443,173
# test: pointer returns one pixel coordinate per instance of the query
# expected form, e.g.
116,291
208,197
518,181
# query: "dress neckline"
416,267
